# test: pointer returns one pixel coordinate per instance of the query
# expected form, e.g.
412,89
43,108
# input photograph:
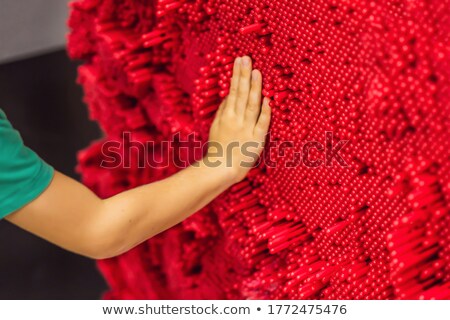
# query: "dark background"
41,99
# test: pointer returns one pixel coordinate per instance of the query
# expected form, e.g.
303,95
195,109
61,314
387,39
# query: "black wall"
41,99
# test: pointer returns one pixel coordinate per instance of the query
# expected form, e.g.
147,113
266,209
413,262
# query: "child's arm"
71,216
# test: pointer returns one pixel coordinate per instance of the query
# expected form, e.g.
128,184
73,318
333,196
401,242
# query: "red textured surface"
373,72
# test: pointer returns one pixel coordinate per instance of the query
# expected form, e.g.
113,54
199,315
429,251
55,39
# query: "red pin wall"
373,74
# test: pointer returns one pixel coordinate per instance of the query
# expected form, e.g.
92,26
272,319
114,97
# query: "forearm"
138,214
70,215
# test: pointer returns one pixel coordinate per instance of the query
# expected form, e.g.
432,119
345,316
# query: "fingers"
244,98
254,100
262,126
244,85
232,96
219,112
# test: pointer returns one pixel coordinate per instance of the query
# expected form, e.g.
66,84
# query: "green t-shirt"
23,175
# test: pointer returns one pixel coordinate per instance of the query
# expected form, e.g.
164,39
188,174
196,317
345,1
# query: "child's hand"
237,135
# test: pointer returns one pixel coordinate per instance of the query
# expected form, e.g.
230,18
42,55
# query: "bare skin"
71,216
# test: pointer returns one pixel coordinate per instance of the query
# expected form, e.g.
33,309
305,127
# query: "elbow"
102,251
99,246
107,235
99,253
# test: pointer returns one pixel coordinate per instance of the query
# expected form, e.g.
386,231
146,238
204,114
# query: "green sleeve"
23,175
